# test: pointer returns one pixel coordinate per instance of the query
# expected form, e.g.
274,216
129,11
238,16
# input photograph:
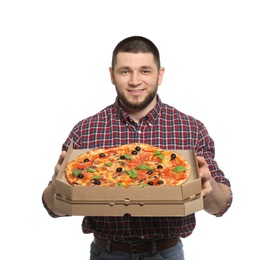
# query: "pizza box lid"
80,198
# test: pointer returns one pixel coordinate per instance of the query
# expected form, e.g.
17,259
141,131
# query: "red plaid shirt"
163,126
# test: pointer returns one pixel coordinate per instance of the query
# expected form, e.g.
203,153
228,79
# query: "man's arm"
215,195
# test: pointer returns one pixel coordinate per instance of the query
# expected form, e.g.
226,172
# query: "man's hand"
205,175
58,165
49,192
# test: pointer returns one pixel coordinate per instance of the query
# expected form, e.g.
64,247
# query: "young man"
138,115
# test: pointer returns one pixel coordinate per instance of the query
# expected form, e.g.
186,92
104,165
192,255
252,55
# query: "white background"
220,62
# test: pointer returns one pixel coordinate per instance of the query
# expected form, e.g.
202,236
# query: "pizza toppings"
128,165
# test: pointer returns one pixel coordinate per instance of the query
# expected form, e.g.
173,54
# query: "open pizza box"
136,201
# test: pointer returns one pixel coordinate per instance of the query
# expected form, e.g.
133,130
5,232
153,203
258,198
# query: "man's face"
136,78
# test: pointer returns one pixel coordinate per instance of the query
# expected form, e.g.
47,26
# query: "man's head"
136,74
136,44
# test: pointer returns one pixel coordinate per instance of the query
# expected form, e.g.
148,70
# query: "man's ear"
161,74
112,75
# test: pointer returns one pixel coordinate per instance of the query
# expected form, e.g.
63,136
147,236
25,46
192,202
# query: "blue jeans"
172,253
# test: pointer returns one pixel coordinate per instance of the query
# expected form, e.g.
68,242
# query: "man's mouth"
136,91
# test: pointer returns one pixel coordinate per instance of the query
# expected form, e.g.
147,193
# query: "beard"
135,104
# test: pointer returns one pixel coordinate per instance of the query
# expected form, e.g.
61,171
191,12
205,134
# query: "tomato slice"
144,157
142,175
147,150
80,165
88,175
133,163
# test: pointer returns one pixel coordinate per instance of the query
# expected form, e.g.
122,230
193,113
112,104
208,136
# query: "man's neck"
137,115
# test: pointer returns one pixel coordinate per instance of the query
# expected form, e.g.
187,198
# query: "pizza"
134,164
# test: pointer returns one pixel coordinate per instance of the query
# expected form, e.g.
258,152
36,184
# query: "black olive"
150,183
137,148
86,160
101,154
119,169
134,152
160,182
80,175
173,156
149,172
122,157
97,182
159,166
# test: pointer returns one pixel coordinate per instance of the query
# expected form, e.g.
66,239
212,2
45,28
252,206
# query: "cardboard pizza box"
137,201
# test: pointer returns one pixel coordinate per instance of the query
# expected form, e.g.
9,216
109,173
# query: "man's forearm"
216,201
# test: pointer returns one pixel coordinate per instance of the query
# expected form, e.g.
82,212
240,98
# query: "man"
138,115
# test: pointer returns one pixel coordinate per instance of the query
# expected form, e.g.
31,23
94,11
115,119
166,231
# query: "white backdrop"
219,59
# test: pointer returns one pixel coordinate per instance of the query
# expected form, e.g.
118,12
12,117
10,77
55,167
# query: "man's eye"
146,71
124,71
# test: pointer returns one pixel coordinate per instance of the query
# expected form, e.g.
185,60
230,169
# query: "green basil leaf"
132,173
127,156
90,169
96,177
144,167
179,168
108,164
160,156
76,172
157,152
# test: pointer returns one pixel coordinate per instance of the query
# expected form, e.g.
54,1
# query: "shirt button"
139,131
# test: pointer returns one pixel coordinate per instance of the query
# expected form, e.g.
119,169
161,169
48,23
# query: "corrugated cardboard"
136,201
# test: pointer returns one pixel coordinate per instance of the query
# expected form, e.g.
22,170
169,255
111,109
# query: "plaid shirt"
164,127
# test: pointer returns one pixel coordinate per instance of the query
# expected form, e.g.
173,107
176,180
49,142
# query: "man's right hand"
49,192
58,165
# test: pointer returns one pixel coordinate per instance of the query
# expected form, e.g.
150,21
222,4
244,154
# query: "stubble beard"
135,105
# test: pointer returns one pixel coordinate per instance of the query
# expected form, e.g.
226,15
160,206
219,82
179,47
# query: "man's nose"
135,79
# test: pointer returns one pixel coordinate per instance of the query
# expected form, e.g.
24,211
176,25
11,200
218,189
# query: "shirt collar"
151,117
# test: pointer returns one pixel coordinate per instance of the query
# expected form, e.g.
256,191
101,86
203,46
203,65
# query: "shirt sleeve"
206,148
75,137
228,204
52,214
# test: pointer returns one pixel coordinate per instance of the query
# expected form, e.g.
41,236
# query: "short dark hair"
136,44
